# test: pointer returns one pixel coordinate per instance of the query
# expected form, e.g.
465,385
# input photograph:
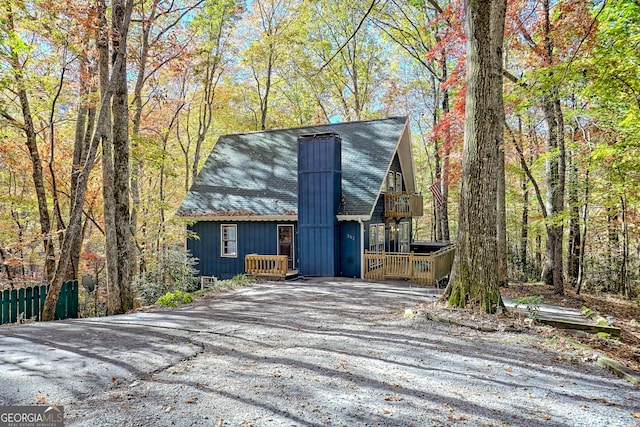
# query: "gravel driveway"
330,352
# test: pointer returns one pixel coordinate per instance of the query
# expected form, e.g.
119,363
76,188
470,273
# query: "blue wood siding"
260,237
319,194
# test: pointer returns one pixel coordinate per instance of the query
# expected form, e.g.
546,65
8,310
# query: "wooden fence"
427,269
266,265
27,303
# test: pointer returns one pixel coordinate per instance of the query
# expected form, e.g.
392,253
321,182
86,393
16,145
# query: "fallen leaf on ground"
191,400
394,398
635,414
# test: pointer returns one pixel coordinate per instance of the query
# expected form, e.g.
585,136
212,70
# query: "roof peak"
404,118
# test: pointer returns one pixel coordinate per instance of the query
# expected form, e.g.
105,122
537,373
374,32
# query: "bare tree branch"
373,3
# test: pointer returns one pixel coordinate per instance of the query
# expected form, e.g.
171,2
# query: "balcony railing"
423,269
402,205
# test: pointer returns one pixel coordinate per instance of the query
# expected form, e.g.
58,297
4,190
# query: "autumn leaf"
393,398
191,400
635,414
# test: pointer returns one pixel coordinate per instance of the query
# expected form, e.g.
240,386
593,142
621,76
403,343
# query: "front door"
350,249
285,243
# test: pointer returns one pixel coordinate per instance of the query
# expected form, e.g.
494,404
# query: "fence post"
432,267
5,307
21,305
61,305
74,300
28,312
411,265
13,306
384,264
43,298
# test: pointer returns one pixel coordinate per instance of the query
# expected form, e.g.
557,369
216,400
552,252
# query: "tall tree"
11,53
123,301
552,33
74,226
474,279
431,33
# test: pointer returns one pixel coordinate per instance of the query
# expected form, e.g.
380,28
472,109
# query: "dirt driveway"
305,353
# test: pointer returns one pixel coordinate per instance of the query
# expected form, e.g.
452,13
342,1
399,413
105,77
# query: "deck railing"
266,265
401,205
423,269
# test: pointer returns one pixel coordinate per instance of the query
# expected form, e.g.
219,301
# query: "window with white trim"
376,238
380,237
398,182
229,240
373,238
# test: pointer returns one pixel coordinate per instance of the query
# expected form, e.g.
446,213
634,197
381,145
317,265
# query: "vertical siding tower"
319,198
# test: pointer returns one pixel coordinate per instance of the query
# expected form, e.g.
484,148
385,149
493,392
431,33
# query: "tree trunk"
444,173
474,279
574,243
83,133
613,254
555,192
624,270
556,160
524,229
136,165
120,133
583,237
111,248
501,231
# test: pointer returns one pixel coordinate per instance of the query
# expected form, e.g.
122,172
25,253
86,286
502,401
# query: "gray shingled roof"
256,173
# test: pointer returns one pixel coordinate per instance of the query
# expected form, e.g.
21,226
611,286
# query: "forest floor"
625,349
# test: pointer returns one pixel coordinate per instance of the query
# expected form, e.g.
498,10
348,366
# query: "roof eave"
240,218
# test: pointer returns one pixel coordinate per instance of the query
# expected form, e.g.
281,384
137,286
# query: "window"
376,238
398,182
403,237
391,182
376,243
380,237
373,238
229,240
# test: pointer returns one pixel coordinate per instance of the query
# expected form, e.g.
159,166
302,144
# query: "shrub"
174,270
174,299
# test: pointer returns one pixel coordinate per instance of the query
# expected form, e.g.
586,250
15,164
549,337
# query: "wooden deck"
428,269
269,266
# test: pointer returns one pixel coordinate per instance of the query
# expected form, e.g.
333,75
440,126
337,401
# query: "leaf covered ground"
626,313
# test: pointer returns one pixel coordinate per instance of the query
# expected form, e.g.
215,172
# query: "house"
321,195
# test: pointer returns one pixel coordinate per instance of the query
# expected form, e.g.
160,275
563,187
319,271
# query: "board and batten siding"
253,237
319,197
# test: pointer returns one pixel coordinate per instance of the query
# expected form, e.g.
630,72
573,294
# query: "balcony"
402,205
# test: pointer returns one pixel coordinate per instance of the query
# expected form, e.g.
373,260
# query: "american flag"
437,194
